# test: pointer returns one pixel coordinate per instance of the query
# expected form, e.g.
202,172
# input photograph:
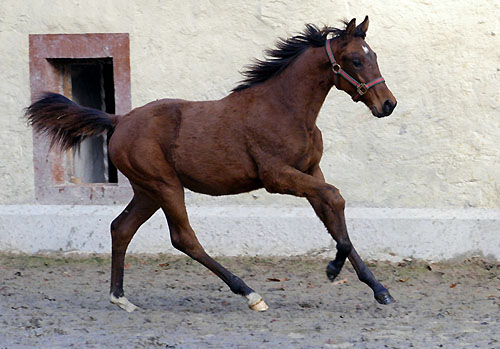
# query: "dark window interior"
89,83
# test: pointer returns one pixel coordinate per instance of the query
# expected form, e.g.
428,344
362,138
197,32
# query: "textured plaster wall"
439,149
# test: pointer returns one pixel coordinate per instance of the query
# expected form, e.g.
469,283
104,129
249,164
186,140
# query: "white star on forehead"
366,49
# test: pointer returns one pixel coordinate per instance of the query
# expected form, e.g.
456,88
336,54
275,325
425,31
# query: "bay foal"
263,134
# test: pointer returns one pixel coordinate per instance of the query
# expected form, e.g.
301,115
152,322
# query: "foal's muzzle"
387,109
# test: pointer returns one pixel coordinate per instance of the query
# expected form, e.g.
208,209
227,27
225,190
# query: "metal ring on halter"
336,68
362,89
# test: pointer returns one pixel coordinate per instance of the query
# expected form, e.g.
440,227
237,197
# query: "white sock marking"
255,302
123,303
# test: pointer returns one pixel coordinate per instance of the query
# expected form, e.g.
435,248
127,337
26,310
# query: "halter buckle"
362,89
336,68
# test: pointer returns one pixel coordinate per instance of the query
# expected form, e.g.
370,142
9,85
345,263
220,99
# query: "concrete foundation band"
377,233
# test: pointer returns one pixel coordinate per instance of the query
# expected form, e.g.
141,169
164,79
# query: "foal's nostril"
388,107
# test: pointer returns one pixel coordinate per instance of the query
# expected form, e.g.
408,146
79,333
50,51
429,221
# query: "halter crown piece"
361,88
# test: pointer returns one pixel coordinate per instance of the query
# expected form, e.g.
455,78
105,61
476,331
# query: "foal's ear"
364,25
351,28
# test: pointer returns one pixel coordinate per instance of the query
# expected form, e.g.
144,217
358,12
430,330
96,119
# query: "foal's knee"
334,199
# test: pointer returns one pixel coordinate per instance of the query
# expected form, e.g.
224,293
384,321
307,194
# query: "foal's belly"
215,170
219,185
213,160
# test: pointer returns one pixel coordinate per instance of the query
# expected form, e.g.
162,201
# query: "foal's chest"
308,153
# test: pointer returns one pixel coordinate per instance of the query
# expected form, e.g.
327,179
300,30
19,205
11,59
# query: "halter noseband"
361,88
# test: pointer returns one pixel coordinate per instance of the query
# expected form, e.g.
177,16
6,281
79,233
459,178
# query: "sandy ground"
62,301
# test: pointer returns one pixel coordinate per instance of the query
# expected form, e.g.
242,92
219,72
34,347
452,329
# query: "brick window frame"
51,186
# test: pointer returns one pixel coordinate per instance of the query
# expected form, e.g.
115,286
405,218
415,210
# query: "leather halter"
361,87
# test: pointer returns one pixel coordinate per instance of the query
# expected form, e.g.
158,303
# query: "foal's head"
356,70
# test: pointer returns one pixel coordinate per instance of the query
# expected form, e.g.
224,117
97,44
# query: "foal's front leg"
329,206
327,200
365,275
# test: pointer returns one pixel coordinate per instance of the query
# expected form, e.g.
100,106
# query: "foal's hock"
263,134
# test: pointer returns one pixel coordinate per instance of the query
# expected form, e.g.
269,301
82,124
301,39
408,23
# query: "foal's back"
204,143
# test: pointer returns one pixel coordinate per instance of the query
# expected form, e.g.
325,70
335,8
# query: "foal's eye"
357,63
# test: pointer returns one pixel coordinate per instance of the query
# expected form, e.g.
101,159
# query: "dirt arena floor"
62,302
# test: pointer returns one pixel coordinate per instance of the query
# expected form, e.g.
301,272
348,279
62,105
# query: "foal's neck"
303,86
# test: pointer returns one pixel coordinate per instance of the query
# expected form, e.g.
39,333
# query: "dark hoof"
384,298
331,271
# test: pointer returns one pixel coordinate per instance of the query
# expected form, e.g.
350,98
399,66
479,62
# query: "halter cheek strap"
361,88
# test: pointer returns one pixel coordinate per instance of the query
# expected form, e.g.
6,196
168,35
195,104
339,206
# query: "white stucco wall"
440,149
441,59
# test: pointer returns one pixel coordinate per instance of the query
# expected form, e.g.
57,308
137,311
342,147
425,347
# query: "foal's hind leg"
333,269
123,229
184,239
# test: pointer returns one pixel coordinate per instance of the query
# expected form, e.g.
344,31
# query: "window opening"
89,83
93,69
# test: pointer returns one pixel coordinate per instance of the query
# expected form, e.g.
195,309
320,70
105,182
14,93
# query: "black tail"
65,122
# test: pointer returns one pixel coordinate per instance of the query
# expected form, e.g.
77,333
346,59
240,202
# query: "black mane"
286,50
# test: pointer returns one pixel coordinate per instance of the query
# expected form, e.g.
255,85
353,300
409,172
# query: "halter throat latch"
361,87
